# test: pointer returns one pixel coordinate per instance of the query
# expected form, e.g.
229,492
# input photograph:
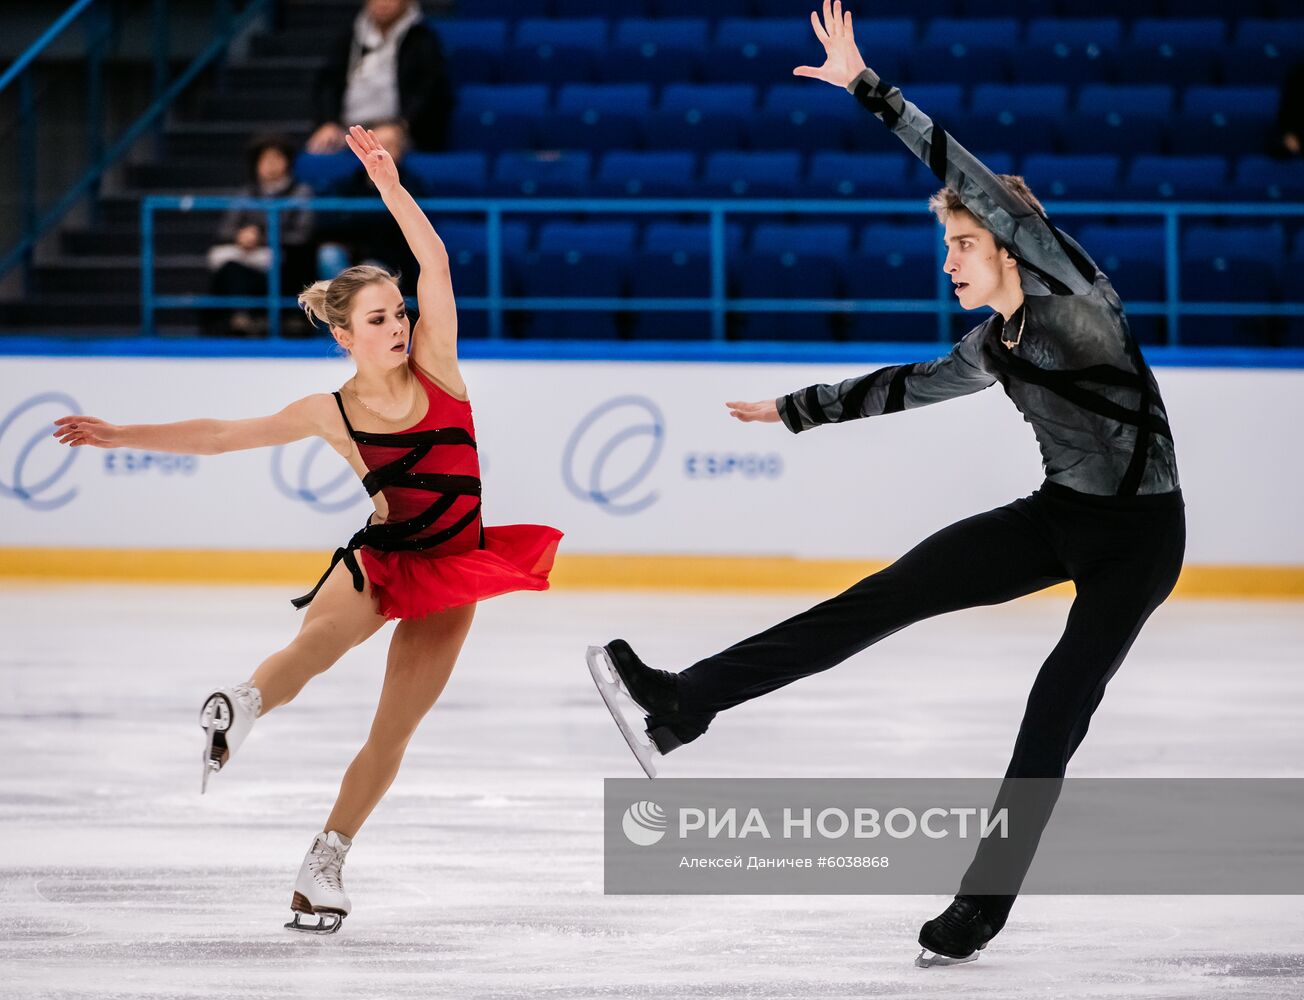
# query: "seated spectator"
388,67
240,260
347,238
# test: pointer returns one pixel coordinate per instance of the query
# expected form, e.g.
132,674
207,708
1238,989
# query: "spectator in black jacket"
389,66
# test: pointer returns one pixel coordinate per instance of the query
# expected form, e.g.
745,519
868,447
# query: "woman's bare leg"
421,658
338,619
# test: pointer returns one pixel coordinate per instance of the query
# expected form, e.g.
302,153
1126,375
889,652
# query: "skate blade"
215,718
618,700
327,923
928,960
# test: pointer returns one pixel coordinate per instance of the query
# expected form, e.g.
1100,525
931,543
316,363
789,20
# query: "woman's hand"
842,61
76,431
767,411
380,165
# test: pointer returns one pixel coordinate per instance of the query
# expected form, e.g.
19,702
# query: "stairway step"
173,275
227,139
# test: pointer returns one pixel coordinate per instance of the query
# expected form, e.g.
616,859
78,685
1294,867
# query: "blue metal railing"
718,304
100,20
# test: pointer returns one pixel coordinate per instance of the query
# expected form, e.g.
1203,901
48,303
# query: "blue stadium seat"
700,116
601,8
656,51
1264,50
1133,257
1070,50
573,274
817,239
587,237
1230,264
494,118
1020,118
1145,99
675,263
692,8
990,32
751,175
858,175
475,47
648,174
447,175
1172,50
893,261
556,51
542,173
1177,177
596,116
1267,177
937,100
513,8
325,173
1127,119
1037,100
760,51
689,237
1073,177
804,118
1104,32
1225,119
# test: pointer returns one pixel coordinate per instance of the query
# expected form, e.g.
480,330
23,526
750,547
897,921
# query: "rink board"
632,459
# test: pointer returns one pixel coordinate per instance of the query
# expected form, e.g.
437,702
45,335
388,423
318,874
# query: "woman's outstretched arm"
315,415
434,339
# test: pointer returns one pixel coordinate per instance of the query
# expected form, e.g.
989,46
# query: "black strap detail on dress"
405,535
339,401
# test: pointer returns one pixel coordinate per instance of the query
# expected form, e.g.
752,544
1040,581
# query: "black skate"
629,687
955,936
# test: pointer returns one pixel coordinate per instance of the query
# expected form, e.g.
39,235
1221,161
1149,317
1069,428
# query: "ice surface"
480,875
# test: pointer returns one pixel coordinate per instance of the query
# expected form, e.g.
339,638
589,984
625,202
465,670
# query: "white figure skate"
227,716
319,890
623,708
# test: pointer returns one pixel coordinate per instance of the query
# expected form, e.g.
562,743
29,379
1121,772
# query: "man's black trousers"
1123,555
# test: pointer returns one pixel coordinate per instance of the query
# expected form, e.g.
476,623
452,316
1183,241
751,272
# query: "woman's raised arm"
434,340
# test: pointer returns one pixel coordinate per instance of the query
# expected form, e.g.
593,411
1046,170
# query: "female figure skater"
403,421
1109,516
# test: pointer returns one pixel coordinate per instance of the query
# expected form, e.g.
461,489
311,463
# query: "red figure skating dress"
433,552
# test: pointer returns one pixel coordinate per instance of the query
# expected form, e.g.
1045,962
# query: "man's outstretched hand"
766,411
842,61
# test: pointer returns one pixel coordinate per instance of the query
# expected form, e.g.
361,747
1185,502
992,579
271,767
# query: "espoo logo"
612,452
35,459
644,823
323,490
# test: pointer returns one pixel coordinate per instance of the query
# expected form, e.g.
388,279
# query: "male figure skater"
1109,516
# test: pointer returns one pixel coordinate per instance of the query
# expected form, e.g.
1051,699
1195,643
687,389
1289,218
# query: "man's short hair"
948,200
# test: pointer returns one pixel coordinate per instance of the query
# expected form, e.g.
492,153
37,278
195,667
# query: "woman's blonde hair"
948,200
331,302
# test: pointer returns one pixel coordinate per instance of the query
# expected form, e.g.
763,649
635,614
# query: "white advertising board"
623,457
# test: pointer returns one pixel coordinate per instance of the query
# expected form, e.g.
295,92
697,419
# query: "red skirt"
414,584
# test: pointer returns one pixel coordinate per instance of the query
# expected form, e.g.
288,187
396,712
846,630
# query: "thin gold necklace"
389,420
1018,336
